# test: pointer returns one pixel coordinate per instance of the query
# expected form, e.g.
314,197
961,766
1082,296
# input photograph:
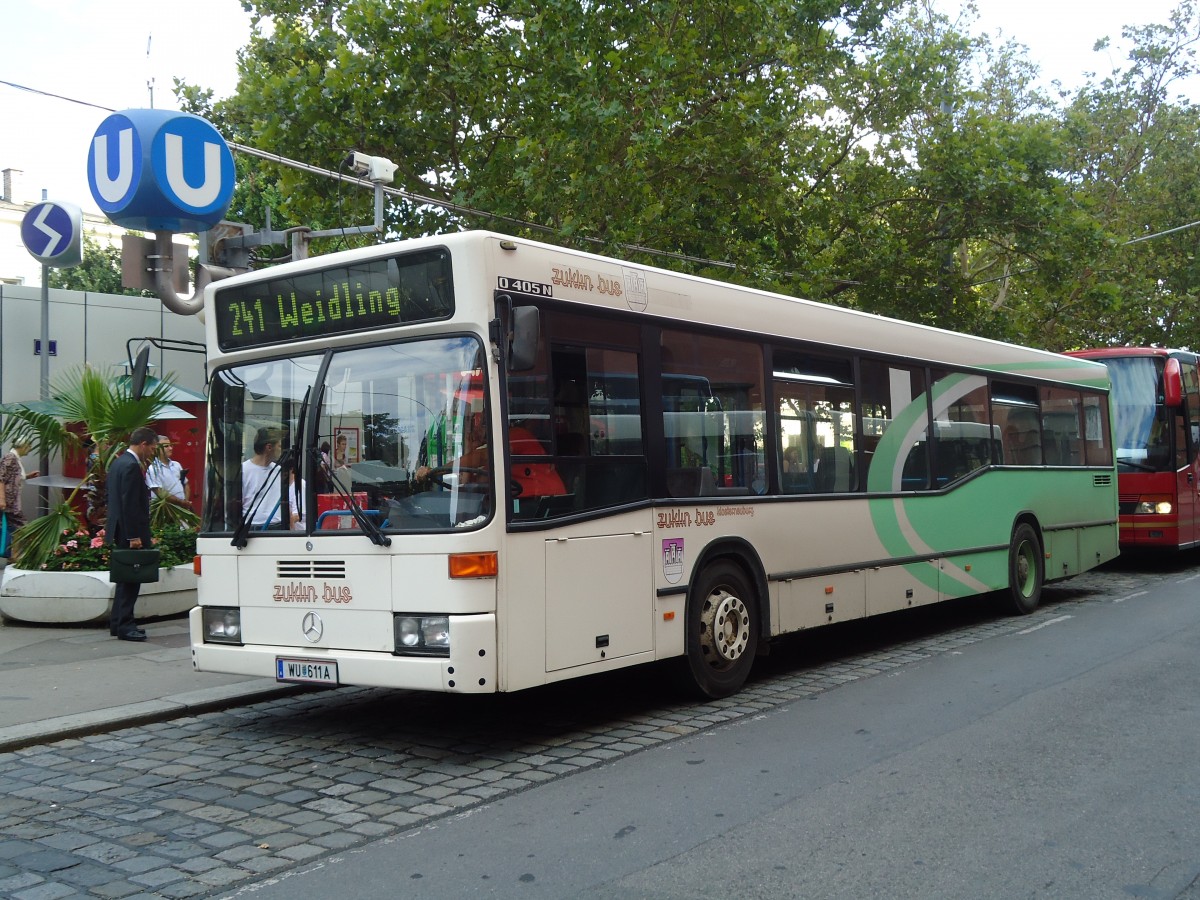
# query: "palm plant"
109,412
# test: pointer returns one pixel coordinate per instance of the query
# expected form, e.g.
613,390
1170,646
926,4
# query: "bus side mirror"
523,338
139,370
1172,384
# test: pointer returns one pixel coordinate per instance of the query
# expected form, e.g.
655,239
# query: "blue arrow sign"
53,233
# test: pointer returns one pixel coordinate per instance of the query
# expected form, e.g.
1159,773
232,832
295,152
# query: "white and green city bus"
689,469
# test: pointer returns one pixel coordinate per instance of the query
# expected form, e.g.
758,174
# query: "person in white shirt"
165,475
295,493
259,470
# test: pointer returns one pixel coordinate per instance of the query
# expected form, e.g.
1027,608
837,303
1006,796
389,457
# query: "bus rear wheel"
1026,570
723,625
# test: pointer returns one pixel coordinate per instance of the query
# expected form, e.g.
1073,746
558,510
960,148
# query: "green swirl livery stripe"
890,515
1068,369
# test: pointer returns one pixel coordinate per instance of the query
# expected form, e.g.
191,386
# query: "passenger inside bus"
530,479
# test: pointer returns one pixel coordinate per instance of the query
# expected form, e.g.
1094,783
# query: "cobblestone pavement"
204,805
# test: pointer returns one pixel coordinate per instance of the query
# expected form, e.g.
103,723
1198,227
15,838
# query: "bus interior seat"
835,470
1061,447
554,505
1022,439
571,443
691,481
1052,448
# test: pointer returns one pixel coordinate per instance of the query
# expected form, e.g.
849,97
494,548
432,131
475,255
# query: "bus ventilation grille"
1102,480
309,568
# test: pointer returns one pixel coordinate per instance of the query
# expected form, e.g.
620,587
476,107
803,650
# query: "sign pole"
44,459
45,332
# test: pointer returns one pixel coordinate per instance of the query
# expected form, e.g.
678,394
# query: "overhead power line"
413,197
463,210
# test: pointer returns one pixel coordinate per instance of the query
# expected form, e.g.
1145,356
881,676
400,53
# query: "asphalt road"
1057,760
946,751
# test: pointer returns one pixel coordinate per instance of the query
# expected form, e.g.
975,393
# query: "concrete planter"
85,598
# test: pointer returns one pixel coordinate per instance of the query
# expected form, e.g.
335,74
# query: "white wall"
90,328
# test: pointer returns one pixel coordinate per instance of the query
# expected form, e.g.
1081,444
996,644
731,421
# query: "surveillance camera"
358,163
376,168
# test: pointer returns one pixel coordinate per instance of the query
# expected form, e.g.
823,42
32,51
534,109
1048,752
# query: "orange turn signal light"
196,564
474,565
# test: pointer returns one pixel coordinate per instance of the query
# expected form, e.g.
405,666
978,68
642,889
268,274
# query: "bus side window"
890,392
1096,444
1061,440
817,422
1016,415
796,430
1191,394
583,406
713,414
962,435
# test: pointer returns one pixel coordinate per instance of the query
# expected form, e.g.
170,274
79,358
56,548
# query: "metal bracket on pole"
162,265
233,250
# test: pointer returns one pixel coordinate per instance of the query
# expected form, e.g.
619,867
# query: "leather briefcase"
129,566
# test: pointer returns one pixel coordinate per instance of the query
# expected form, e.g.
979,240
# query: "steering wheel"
436,476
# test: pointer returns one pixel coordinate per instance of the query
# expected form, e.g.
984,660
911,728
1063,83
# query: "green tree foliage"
100,270
868,153
707,130
1135,168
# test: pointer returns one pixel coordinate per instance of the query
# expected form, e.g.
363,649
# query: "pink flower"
73,545
97,542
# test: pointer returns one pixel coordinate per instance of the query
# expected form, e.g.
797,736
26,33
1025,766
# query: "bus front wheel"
1026,570
723,626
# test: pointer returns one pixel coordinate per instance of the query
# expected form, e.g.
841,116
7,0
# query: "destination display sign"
366,295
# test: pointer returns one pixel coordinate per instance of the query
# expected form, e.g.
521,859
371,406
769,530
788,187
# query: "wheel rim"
1026,569
725,629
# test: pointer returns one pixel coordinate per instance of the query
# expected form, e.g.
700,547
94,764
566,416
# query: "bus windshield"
397,433
1143,437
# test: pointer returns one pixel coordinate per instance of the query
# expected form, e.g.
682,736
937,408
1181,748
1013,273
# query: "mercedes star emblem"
312,626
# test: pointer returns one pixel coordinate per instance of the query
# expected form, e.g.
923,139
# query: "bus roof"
1100,353
545,271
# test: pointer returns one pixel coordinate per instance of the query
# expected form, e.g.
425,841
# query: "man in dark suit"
129,522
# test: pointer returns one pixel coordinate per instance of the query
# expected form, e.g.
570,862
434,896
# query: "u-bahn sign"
53,233
160,170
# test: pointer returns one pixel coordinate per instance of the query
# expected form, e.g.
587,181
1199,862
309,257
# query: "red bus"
1156,419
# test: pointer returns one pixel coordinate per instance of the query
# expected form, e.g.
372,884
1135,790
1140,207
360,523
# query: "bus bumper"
471,667
1146,532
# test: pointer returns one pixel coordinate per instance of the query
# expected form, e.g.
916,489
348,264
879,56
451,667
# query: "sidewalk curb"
17,737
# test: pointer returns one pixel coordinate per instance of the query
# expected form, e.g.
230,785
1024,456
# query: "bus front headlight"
1153,506
222,625
422,635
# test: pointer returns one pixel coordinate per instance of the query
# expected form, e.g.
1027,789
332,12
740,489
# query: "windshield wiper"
290,462
1129,461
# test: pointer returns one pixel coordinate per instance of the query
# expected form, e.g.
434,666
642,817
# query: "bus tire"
722,630
1026,569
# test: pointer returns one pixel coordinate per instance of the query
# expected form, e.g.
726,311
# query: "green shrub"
79,552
